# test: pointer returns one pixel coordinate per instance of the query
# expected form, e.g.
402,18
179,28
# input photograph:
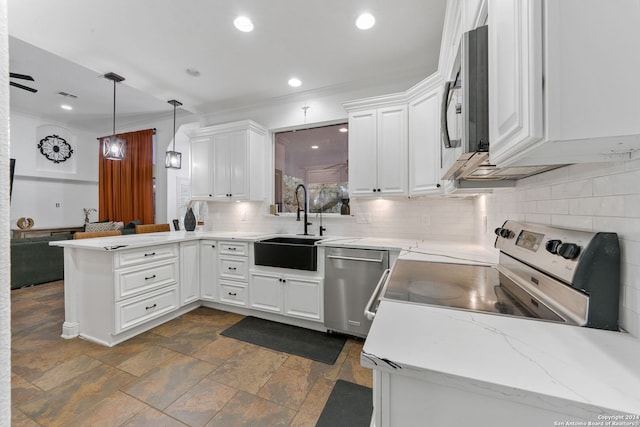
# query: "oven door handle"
368,310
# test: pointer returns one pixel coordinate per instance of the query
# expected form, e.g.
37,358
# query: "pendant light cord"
174,127
114,108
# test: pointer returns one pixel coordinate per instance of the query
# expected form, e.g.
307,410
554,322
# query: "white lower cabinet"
208,270
138,310
304,298
189,274
265,292
233,272
286,294
234,293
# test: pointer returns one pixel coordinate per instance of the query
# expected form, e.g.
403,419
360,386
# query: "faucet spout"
305,209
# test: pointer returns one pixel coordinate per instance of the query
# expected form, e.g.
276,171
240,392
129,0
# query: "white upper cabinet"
561,81
424,139
228,162
201,169
378,151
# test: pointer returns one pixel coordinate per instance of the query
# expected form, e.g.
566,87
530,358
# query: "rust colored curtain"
125,187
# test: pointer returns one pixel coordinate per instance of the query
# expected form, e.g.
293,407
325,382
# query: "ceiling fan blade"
30,89
21,76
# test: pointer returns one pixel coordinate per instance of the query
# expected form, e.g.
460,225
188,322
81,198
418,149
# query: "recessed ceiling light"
192,72
294,82
343,130
243,24
365,21
66,107
314,147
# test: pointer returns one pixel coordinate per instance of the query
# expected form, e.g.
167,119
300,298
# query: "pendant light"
113,148
173,159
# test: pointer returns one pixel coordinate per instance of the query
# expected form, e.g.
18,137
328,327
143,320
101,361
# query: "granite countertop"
528,360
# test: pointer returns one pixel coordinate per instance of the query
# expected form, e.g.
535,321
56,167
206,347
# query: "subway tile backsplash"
593,197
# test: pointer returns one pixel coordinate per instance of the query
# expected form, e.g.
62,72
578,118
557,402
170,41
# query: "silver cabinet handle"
368,310
350,258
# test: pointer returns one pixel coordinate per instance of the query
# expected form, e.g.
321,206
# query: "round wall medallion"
55,148
25,223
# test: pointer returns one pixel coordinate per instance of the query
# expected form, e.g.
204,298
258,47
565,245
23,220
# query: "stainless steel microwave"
465,117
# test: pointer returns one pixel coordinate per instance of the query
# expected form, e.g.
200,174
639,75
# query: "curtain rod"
153,129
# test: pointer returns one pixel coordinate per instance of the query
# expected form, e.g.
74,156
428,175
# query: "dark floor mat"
349,405
302,342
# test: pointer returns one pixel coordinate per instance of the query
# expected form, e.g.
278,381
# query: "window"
317,158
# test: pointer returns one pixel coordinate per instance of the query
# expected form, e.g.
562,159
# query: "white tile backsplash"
434,218
592,197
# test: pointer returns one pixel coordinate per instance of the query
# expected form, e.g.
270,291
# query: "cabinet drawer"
234,248
235,268
148,254
138,310
231,293
136,280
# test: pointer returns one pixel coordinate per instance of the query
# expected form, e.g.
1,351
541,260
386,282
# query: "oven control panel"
551,249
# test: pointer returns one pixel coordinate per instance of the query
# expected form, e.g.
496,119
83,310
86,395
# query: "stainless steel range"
543,273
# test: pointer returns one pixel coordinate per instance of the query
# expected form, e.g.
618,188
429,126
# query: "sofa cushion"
100,226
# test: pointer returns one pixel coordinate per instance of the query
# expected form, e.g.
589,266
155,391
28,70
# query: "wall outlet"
57,205
243,216
425,219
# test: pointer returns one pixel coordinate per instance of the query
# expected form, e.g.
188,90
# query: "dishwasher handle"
368,310
352,258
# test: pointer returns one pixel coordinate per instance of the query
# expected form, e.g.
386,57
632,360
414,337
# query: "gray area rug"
349,405
290,339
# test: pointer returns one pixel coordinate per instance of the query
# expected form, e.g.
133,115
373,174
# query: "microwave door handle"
369,312
444,125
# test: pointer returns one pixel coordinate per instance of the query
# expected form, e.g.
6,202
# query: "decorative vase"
345,209
189,220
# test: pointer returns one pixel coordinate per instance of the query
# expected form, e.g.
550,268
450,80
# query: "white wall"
592,197
40,185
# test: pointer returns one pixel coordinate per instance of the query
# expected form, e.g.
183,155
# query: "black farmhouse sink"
298,253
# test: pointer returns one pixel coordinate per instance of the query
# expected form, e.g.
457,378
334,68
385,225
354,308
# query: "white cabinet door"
378,152
201,178
189,277
208,270
363,153
230,166
424,143
303,298
392,150
265,292
221,175
237,166
515,75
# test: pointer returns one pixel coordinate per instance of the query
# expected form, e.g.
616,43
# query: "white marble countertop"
130,241
583,367
409,249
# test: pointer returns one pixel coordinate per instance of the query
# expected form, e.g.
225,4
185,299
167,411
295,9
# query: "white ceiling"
67,45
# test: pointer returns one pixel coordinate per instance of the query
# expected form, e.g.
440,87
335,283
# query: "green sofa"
33,261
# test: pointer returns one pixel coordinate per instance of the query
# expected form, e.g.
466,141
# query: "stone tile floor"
180,373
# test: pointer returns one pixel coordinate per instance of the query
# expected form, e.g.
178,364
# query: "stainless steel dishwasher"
351,276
